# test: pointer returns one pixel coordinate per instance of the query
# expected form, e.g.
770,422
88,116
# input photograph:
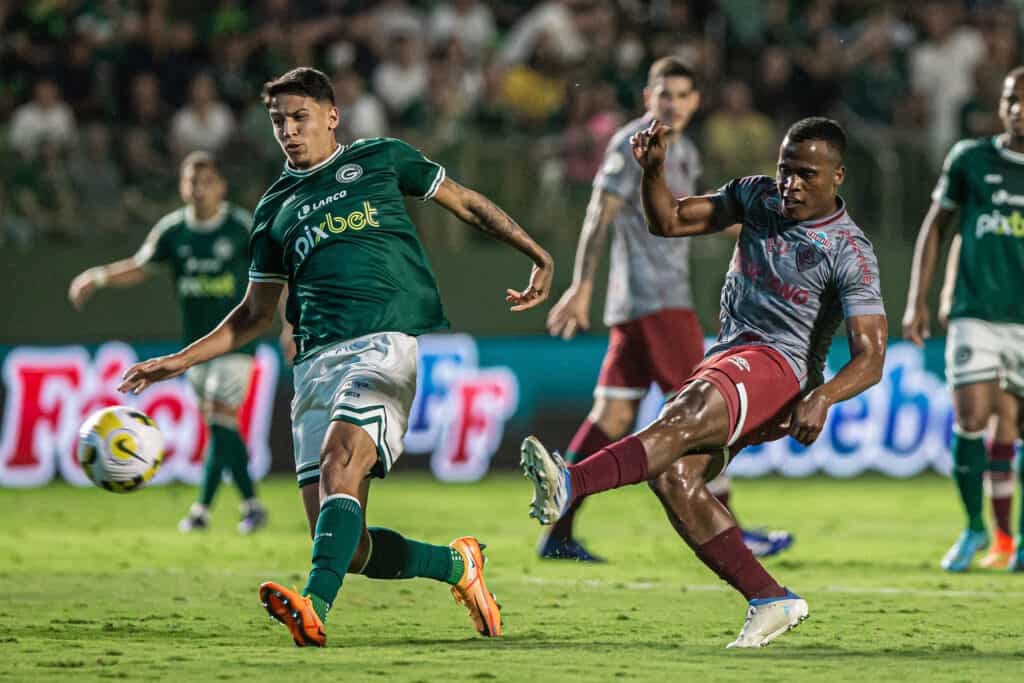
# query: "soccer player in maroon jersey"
801,265
655,336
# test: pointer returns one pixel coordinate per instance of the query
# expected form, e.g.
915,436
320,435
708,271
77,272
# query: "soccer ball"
120,448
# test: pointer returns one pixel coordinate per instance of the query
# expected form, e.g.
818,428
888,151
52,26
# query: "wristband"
100,277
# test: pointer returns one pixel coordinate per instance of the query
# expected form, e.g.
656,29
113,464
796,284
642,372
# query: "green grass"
100,586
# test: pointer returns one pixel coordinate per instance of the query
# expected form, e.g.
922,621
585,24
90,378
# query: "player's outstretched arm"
124,273
949,281
866,336
666,215
572,312
473,208
253,316
916,317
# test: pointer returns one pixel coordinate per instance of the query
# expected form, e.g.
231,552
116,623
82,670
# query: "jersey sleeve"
732,201
418,176
156,249
266,258
857,279
951,189
619,173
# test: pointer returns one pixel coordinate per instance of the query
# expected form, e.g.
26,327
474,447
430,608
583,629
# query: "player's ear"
333,118
840,174
647,97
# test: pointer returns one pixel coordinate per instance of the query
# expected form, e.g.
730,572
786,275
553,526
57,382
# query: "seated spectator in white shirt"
205,123
45,118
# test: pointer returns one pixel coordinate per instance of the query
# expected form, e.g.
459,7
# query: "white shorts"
370,382
981,351
223,380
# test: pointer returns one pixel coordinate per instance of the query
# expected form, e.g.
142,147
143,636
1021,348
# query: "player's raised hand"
649,145
536,292
570,314
808,418
82,287
141,375
916,323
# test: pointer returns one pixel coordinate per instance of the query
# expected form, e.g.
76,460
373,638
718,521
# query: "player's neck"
1014,143
321,157
833,207
205,213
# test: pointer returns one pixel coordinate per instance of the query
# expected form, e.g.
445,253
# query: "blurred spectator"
553,22
77,77
205,123
362,114
46,118
96,179
776,87
14,229
402,77
942,71
41,193
593,119
534,92
471,22
738,140
876,83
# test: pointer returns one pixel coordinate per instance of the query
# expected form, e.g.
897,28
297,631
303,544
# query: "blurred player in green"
982,186
204,245
334,229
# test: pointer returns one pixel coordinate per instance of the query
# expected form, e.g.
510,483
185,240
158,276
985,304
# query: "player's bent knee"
971,422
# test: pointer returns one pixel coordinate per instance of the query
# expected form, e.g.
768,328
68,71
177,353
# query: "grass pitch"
100,586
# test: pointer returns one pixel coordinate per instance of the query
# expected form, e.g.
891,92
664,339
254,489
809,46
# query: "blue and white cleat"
1017,559
958,558
551,548
769,618
550,478
767,544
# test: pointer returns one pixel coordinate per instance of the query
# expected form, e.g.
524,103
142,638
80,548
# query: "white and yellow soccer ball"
120,448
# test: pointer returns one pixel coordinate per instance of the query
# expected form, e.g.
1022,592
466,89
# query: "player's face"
1011,106
304,128
672,100
808,175
202,187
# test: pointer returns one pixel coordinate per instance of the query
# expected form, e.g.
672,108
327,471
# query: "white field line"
864,590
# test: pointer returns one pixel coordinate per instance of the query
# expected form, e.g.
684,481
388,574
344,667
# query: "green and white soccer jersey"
208,260
986,182
339,235
360,289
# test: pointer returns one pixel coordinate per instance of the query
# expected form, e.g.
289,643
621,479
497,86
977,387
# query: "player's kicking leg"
761,543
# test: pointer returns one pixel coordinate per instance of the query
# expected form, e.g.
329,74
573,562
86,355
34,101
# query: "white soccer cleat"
769,618
550,478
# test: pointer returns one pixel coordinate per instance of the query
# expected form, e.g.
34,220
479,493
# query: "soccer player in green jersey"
334,228
982,185
204,245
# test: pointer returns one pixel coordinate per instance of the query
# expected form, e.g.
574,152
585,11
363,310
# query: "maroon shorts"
759,388
662,347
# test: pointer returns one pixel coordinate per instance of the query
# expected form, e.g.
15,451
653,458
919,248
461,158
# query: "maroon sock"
728,557
624,462
589,439
1000,466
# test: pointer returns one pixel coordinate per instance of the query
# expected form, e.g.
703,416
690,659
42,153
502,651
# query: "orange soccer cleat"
471,590
295,611
999,554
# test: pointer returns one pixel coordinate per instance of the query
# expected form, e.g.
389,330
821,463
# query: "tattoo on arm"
601,211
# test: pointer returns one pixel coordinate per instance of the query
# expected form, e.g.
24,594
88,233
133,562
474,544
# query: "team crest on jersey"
808,256
223,249
349,173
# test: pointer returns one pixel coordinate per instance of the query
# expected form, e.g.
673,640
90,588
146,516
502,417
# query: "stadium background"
99,100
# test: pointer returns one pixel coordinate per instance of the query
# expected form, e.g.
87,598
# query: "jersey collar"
208,225
304,172
827,220
1005,152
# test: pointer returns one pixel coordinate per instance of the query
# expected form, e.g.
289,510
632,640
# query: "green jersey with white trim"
986,182
208,260
339,235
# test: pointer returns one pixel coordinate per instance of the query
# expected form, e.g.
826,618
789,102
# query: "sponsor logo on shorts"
740,362
349,173
961,355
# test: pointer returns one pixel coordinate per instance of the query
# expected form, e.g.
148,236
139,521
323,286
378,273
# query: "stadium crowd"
99,99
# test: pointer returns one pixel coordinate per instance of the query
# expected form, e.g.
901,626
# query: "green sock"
228,445
1020,507
969,462
213,470
338,529
392,556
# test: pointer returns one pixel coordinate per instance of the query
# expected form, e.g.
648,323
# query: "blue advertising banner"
476,398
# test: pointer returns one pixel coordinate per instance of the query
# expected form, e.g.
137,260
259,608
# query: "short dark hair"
304,80
819,128
200,159
671,66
